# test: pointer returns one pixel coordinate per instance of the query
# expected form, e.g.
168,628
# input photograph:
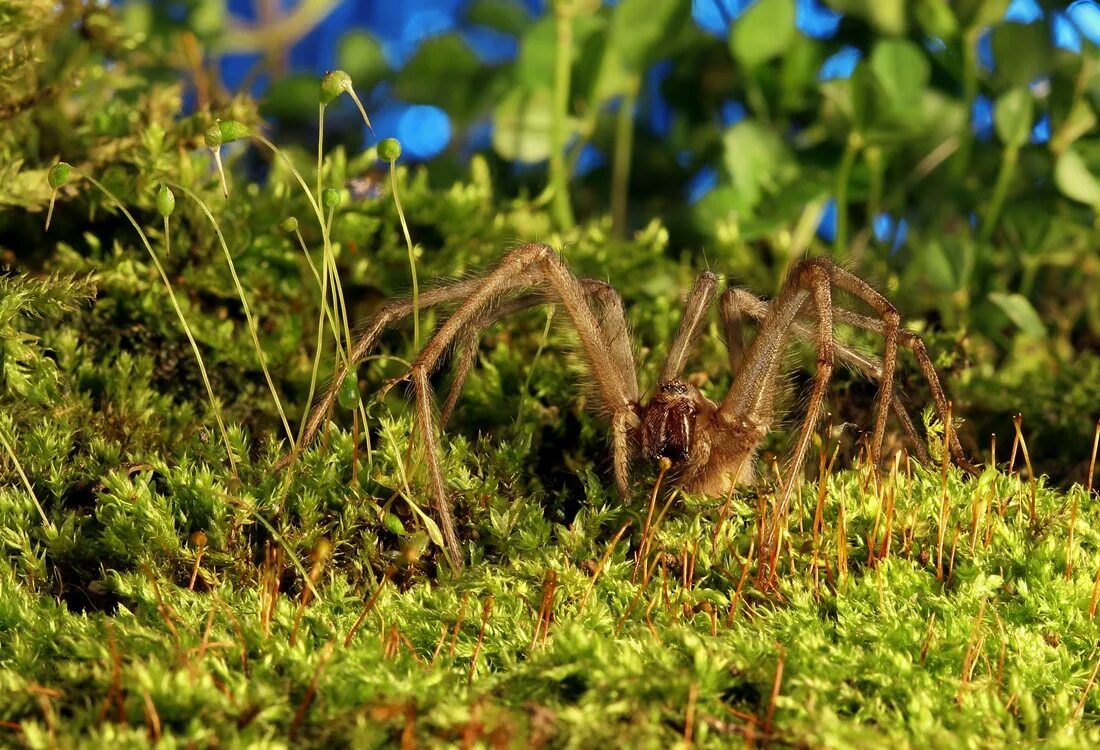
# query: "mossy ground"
163,598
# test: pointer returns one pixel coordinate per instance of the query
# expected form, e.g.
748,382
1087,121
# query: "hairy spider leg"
752,391
513,272
736,303
612,321
696,306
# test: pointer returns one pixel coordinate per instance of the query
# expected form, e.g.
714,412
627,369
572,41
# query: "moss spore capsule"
334,83
59,174
166,201
348,395
393,524
213,136
289,224
389,149
330,198
232,130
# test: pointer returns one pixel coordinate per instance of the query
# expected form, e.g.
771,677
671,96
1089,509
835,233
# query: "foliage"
166,592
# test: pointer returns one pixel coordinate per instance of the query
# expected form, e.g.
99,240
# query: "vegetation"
160,582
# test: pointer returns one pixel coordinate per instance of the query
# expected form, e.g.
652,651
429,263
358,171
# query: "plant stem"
620,167
412,256
329,262
843,177
26,482
873,157
320,144
561,207
970,93
251,322
1000,190
179,313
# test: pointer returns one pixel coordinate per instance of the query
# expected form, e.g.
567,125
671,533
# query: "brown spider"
711,446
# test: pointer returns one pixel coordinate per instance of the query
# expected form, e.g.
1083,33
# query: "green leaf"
507,16
1013,115
361,56
765,31
977,13
521,126
888,16
1073,178
444,71
1020,312
429,524
757,160
902,70
638,27
936,18
1021,51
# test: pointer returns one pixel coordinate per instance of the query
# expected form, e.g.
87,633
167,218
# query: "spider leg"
913,343
513,272
609,312
738,303
751,396
390,313
695,311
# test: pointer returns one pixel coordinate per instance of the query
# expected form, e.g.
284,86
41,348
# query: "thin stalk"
1000,190
329,259
320,144
873,156
620,167
251,321
179,313
26,482
843,177
970,92
412,255
561,208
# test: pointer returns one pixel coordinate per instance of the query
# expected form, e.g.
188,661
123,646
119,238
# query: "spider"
711,447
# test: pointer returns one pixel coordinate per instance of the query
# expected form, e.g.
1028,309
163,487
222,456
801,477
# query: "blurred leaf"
936,18
535,63
902,70
521,126
444,72
1074,179
638,27
888,16
1021,52
765,31
508,16
292,98
1020,312
757,160
1080,120
360,55
1013,115
977,13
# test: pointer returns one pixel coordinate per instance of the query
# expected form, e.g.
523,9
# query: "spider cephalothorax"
668,421
712,446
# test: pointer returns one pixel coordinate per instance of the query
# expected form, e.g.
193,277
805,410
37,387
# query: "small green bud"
289,224
233,131
390,149
334,83
393,524
213,136
59,174
348,395
330,198
225,131
166,201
